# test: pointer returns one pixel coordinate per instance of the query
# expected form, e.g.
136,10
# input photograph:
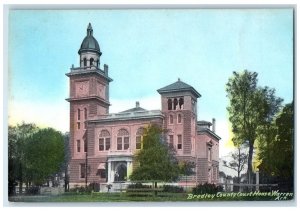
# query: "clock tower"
89,94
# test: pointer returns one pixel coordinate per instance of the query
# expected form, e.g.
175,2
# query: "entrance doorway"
120,172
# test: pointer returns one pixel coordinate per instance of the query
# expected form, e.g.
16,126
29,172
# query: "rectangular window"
179,143
78,145
107,143
119,143
85,146
138,144
126,143
101,144
82,170
78,125
102,173
171,140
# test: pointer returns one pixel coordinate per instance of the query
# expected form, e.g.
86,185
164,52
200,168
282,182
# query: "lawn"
123,197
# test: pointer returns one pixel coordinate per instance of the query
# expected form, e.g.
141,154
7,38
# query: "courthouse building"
103,144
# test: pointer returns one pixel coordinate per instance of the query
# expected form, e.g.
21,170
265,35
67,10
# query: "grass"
123,197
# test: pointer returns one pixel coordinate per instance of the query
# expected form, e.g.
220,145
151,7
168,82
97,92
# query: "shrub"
81,190
34,190
172,189
207,188
138,186
94,186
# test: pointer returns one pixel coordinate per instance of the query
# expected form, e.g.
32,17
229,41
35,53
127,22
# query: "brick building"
102,144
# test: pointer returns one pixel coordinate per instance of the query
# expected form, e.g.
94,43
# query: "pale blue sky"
146,50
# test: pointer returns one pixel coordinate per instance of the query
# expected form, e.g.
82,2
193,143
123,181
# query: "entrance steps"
114,187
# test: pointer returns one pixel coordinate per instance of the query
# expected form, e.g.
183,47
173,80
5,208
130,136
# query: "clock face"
82,88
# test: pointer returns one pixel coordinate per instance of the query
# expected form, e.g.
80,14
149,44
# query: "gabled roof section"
203,122
135,109
207,131
178,86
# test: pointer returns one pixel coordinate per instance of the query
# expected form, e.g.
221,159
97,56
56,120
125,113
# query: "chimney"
137,104
106,69
214,125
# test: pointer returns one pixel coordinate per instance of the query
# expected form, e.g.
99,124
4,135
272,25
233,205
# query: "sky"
146,50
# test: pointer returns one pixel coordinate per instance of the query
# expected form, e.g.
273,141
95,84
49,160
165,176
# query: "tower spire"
90,30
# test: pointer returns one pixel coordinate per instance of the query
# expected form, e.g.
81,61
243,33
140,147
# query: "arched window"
181,102
171,119
139,138
97,63
104,140
91,61
169,104
85,113
209,153
78,114
175,104
123,139
171,140
84,62
78,145
179,119
84,145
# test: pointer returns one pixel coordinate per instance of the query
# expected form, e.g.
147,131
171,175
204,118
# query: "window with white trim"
179,141
123,139
139,138
104,140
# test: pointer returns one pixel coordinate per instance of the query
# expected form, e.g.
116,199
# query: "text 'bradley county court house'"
109,141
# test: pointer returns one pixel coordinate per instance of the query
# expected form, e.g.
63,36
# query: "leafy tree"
156,160
17,136
186,168
238,161
67,156
251,107
44,154
276,149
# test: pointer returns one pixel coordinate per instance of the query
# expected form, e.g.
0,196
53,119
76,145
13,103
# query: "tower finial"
89,30
178,79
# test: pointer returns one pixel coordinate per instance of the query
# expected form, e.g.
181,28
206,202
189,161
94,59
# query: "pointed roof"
178,86
137,108
89,43
134,110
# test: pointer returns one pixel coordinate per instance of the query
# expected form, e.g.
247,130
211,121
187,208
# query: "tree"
44,154
17,136
276,148
251,107
186,168
156,161
67,156
238,161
